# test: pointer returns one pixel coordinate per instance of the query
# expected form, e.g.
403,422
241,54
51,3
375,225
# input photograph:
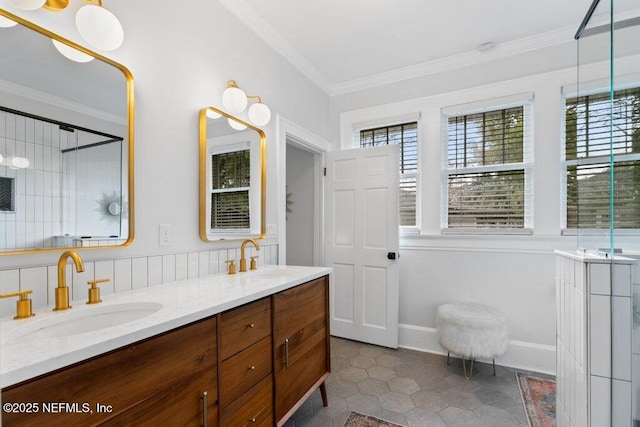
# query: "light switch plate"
166,234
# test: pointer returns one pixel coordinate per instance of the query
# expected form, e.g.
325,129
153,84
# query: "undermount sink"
88,320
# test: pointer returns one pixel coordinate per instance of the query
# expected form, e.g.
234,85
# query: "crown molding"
466,59
246,14
45,98
269,35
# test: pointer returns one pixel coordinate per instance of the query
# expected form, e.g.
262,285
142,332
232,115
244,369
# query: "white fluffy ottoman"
472,331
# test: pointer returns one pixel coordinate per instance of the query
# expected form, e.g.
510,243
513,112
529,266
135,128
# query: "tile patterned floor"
411,388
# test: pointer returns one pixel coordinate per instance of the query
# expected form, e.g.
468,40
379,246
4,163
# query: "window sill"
593,232
488,231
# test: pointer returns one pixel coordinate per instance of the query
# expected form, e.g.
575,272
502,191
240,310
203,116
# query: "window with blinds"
602,143
230,184
405,135
488,170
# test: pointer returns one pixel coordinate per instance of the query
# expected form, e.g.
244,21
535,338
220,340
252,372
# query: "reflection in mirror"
232,177
70,124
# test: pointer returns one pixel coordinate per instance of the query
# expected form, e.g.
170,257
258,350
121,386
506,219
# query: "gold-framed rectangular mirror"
70,126
232,177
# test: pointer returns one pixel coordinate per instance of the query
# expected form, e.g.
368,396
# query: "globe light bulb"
259,114
99,27
212,114
236,125
234,100
19,163
7,23
71,53
27,4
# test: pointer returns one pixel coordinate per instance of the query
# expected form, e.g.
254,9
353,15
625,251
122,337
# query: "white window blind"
230,184
602,142
488,185
405,135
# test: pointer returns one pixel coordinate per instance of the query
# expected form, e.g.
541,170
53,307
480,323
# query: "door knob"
392,255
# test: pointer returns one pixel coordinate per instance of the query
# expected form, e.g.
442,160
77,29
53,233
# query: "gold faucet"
62,291
243,260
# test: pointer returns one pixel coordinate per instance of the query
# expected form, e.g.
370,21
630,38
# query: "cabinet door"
177,364
301,338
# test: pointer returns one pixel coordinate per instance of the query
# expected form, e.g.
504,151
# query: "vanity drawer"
244,326
242,371
252,409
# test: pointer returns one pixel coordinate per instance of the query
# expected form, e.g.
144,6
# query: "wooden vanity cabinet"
258,363
158,381
301,345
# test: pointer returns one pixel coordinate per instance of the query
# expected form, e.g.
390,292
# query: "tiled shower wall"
124,274
37,193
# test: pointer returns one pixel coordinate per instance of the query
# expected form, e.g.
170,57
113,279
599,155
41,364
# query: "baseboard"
520,355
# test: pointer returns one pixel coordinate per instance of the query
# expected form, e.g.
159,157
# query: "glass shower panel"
587,141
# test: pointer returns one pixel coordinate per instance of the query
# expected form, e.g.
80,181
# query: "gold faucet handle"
232,267
94,291
254,263
23,305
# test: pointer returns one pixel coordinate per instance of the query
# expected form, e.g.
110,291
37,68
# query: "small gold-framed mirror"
70,126
232,177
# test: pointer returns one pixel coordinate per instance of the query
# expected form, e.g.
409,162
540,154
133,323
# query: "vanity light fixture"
97,26
235,101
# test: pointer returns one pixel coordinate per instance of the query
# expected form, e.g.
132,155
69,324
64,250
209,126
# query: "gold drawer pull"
251,325
252,420
252,368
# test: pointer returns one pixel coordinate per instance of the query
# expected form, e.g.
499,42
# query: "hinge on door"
324,171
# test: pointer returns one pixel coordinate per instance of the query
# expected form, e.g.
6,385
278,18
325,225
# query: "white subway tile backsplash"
168,268
155,270
123,275
203,263
214,263
181,267
192,264
139,273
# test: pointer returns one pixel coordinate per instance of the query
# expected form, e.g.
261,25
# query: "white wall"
512,273
181,58
300,171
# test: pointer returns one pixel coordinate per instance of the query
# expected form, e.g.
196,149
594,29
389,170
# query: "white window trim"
524,100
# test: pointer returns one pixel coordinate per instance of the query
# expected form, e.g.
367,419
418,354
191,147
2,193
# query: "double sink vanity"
221,349
229,350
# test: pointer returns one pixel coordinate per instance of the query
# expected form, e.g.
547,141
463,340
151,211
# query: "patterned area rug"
358,420
539,399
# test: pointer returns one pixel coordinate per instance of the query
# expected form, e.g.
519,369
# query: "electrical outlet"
166,234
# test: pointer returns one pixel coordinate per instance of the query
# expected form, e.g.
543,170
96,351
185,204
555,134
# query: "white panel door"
361,231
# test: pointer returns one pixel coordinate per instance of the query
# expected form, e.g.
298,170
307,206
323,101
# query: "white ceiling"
345,45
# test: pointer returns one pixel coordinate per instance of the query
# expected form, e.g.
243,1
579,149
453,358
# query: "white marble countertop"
23,357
